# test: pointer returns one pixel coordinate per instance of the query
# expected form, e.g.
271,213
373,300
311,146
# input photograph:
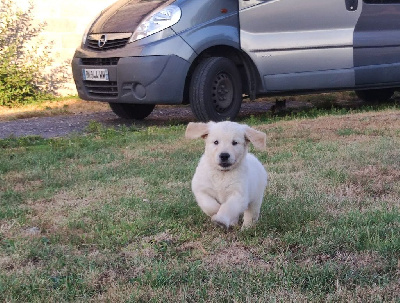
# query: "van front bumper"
136,80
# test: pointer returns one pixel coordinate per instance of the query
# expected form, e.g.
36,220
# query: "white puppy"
228,180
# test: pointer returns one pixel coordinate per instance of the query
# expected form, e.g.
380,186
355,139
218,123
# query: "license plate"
95,74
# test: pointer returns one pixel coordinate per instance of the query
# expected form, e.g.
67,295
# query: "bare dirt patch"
74,116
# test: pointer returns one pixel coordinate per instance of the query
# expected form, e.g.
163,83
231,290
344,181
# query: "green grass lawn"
110,217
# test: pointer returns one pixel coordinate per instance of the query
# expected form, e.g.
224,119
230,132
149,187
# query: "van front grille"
100,61
101,88
105,42
110,44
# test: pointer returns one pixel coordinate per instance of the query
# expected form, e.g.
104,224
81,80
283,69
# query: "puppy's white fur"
228,180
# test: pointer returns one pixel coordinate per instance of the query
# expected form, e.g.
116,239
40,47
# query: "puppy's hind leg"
251,215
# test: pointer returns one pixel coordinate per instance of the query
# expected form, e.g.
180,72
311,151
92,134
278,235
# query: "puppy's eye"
216,142
234,143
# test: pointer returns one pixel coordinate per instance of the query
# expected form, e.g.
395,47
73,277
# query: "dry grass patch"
367,187
238,256
354,261
22,181
375,293
378,181
115,293
327,128
52,108
9,228
6,263
334,155
54,214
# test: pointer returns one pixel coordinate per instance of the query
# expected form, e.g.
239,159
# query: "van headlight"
156,22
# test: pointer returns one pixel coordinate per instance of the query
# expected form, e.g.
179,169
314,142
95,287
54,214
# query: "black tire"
132,111
215,90
375,95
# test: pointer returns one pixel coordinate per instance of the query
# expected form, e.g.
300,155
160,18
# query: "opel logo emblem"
102,41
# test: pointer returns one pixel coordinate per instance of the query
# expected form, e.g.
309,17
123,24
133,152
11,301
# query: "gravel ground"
61,126
49,127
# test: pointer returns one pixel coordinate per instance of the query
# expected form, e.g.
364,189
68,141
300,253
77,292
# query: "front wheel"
216,90
132,111
375,95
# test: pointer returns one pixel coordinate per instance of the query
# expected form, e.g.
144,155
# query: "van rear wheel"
132,111
216,90
375,95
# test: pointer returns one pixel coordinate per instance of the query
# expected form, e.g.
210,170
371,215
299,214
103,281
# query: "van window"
382,1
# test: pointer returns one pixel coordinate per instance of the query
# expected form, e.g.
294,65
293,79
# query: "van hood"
124,16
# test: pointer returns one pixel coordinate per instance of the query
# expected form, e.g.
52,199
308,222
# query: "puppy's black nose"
224,157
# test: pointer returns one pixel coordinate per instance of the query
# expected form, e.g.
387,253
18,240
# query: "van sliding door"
300,44
377,44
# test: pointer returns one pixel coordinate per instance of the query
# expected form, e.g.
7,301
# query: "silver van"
211,53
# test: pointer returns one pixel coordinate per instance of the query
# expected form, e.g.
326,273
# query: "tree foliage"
25,61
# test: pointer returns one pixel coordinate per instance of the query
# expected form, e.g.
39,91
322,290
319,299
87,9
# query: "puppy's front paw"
220,221
221,225
223,221
246,226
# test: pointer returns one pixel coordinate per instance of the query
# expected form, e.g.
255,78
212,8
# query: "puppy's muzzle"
224,160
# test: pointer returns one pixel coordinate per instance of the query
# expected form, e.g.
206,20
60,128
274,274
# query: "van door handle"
351,5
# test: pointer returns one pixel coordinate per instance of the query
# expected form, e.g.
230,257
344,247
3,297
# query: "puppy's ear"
197,130
257,138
